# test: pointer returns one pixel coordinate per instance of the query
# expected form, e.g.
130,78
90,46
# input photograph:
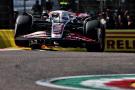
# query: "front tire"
22,27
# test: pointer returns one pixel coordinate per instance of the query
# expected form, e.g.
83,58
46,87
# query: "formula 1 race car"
60,28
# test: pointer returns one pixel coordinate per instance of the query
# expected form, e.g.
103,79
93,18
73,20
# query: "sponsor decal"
120,40
120,44
92,82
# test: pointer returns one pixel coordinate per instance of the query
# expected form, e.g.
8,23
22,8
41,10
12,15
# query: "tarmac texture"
19,70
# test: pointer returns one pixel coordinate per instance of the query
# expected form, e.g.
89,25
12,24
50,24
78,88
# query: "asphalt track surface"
20,69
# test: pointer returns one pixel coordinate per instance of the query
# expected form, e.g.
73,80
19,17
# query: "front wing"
41,37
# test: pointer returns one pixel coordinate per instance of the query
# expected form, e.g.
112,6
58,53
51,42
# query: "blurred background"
11,8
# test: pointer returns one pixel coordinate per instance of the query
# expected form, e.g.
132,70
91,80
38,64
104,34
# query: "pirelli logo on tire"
120,40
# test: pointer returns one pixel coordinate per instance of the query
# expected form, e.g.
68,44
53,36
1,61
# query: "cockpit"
60,17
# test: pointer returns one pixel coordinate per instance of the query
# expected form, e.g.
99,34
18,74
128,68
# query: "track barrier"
7,38
120,40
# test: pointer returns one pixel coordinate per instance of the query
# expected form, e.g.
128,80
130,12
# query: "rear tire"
97,33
